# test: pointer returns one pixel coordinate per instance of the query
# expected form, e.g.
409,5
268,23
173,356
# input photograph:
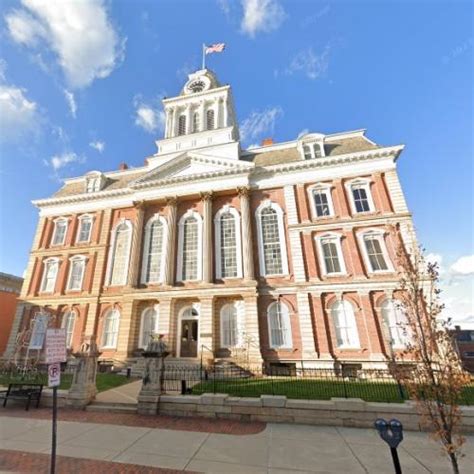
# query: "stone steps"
99,407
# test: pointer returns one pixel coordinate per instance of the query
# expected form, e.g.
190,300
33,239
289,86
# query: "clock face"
197,85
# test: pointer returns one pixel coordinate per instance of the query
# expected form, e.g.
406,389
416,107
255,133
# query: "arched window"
182,125
149,325
69,319
228,243
50,273
38,333
279,326
111,327
345,325
120,254
196,122
230,325
154,250
190,244
395,319
210,119
272,246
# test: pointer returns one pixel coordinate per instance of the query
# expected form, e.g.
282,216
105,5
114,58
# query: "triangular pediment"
192,165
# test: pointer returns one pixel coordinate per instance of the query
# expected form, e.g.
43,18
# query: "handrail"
203,346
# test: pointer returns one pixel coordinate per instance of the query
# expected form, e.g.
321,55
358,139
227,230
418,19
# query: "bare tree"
437,379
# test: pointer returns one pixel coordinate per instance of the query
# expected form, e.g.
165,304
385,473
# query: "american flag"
215,48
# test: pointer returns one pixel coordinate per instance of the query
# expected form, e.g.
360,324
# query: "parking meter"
392,433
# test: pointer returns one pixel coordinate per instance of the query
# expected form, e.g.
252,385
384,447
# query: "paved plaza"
271,448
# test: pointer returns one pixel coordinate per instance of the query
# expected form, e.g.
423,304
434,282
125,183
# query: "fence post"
344,386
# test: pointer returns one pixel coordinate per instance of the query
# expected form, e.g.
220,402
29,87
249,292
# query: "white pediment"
190,166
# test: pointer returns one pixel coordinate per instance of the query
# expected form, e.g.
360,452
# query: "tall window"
69,319
120,253
85,227
149,325
182,125
361,200
154,250
361,197
230,330
272,247
279,326
76,273
111,327
228,243
59,234
330,254
395,319
375,251
190,240
196,122
210,119
343,317
38,333
49,276
321,200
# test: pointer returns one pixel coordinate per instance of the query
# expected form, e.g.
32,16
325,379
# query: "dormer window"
314,150
94,182
311,146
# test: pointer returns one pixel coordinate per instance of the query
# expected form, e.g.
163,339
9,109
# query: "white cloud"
303,132
258,123
98,145
149,116
463,266
71,102
259,15
312,65
60,161
79,34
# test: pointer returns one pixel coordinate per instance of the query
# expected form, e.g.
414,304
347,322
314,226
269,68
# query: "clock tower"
201,118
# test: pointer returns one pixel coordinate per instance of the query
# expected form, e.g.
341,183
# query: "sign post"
55,354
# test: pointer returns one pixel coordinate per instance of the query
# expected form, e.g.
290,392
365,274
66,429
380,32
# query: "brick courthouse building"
285,252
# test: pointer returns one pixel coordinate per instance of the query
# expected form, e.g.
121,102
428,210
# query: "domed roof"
200,81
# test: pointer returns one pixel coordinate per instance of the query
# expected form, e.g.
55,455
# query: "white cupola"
202,116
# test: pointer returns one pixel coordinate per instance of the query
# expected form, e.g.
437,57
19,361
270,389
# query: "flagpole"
203,56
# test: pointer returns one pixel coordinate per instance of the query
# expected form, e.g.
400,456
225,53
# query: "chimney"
123,166
267,141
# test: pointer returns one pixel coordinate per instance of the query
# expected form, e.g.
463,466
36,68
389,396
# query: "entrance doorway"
189,332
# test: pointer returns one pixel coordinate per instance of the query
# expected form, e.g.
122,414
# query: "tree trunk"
454,462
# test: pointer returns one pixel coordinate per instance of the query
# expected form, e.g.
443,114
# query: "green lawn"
311,389
103,382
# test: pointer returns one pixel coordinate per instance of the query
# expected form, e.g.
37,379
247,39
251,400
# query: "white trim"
155,308
355,334
111,256
238,240
281,234
151,221
197,216
197,307
286,316
362,183
380,234
395,307
76,258
80,219
107,314
327,189
55,260
310,140
340,254
64,325
53,237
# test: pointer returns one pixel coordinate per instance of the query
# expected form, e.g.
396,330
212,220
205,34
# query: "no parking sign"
54,375
55,354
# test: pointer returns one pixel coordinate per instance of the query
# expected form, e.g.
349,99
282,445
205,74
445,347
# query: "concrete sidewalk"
280,448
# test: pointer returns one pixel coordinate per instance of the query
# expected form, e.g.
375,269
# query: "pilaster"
170,241
127,313
306,327
252,331
207,238
247,244
137,237
205,323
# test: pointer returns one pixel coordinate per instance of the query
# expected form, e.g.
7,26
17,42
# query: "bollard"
392,433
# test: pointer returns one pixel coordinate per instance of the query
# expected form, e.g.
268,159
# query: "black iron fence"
307,383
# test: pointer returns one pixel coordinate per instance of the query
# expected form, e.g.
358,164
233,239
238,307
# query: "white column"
225,111
170,129
246,225
308,347
189,128
217,112
202,111
134,268
206,333
207,237
171,241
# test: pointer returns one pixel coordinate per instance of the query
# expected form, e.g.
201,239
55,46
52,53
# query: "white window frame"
94,182
110,263
181,316
151,221
340,254
239,311
45,317
211,109
310,140
53,237
362,183
380,234
109,312
82,218
64,325
76,258
238,240
52,260
326,189
355,336
156,308
197,216
395,306
281,233
286,315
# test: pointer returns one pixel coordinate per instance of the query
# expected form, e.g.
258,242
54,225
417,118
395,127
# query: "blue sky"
81,83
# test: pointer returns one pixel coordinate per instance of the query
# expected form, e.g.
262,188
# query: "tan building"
284,253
